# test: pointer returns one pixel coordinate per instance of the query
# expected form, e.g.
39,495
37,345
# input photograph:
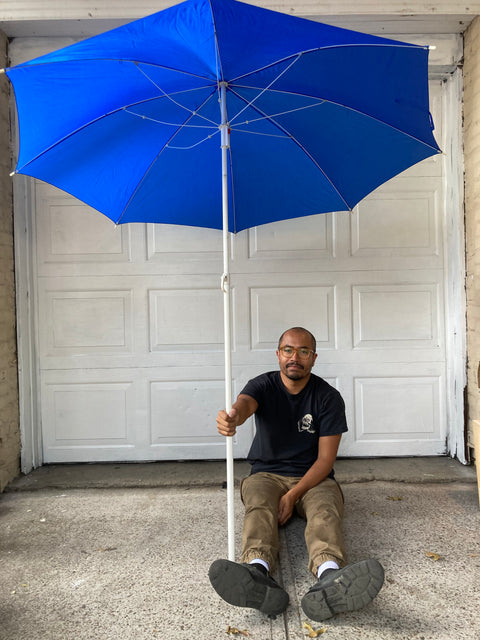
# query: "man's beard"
294,374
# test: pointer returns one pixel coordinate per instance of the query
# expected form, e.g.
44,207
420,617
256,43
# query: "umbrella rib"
321,101
300,145
281,113
218,61
267,87
140,182
298,54
127,108
169,96
105,115
265,135
192,146
106,59
172,124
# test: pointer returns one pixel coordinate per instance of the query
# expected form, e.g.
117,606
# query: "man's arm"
243,408
327,453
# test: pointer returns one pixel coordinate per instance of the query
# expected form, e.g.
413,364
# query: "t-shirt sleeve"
332,415
255,388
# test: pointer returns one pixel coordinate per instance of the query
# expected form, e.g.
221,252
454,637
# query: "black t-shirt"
288,426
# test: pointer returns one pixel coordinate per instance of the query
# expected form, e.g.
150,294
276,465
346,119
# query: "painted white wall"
34,16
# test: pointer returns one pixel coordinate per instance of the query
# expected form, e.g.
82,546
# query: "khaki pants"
321,507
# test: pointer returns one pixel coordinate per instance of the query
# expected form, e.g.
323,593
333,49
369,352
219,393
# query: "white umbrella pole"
225,143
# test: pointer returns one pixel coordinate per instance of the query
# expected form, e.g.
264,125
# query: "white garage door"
130,322
127,321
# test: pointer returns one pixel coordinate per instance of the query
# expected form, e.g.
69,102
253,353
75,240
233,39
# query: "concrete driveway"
122,551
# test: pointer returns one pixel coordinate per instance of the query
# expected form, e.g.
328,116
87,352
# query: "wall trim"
28,373
455,329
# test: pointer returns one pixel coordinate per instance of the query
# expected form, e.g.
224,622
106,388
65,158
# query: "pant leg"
261,493
322,507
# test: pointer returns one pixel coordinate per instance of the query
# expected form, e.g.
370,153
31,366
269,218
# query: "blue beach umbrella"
219,114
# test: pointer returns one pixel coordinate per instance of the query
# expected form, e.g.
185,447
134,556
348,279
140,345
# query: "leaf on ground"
234,631
313,633
398,498
433,556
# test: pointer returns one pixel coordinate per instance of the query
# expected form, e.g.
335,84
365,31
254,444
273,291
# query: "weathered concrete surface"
171,474
130,562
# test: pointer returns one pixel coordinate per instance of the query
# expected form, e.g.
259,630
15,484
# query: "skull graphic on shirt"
306,424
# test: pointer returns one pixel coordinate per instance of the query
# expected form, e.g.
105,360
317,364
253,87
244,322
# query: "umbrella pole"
225,144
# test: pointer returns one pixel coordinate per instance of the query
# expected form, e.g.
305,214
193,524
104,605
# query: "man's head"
296,353
301,330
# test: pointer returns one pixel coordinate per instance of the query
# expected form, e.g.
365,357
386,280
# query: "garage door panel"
399,226
186,319
396,316
396,411
301,239
90,412
397,408
136,414
83,322
168,242
88,420
400,221
177,405
275,308
70,232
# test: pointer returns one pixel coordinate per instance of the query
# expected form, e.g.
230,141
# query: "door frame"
455,263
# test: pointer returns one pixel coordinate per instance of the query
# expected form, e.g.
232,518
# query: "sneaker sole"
236,585
353,589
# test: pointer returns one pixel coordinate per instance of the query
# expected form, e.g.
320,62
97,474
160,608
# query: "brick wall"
472,215
9,420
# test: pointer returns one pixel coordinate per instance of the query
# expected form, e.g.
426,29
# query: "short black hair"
312,337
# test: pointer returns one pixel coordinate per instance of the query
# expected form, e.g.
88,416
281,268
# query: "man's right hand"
227,422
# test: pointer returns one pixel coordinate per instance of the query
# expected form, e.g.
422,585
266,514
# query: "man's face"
293,365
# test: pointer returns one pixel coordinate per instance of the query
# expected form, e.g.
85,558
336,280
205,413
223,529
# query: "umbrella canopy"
309,118
129,121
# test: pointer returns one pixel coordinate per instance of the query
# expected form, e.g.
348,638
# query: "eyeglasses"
303,353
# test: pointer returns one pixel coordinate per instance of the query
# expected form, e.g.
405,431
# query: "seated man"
299,420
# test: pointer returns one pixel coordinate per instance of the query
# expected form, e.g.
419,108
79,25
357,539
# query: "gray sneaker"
244,585
340,590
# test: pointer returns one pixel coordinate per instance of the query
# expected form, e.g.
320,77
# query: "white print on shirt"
306,423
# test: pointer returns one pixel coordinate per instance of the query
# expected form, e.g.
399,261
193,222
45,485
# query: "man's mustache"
295,364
